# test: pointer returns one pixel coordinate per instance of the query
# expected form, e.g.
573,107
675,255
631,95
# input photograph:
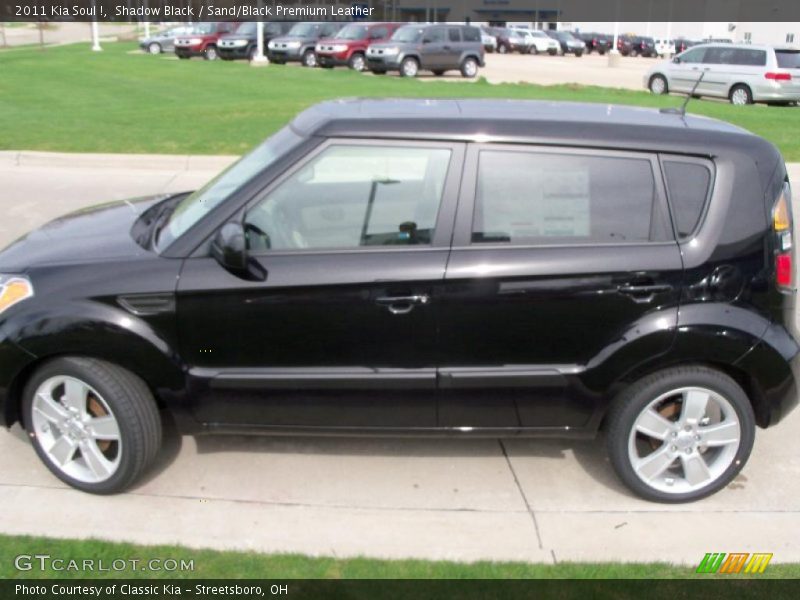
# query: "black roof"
543,122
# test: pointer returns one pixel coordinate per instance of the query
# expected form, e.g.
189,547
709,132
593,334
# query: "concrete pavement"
529,500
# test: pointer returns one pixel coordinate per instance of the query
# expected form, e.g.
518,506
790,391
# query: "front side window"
454,34
353,32
304,30
351,196
532,198
434,35
695,55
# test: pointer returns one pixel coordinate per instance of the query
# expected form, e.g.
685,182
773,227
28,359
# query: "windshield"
353,32
203,28
200,203
247,28
408,34
788,59
304,30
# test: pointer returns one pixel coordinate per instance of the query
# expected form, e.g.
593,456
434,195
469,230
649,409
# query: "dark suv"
596,42
437,48
299,43
469,268
243,42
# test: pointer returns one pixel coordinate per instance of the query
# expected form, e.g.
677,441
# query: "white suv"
538,41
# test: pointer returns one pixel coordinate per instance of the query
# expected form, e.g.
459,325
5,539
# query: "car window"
719,56
538,198
788,59
471,34
695,55
454,34
687,186
434,35
330,29
351,196
750,58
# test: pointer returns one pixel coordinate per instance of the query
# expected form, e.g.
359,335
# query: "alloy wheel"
684,440
154,48
357,63
76,429
740,97
658,85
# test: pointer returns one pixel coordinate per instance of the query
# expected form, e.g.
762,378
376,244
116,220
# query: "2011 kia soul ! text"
471,268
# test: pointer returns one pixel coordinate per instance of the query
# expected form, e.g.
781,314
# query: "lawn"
212,564
70,99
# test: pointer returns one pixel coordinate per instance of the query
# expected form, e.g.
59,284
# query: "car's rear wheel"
409,67
469,67
658,85
534,49
357,62
154,48
309,58
502,49
95,425
740,95
680,434
211,53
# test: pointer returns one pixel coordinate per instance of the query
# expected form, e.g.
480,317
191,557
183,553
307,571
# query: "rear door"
557,263
433,54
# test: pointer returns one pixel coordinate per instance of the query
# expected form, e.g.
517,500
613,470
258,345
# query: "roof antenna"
682,110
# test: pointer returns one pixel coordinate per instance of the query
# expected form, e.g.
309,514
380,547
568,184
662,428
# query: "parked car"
163,41
568,42
372,269
538,41
596,42
625,44
202,41
682,44
508,41
488,40
741,73
351,43
243,43
643,46
298,45
665,47
437,48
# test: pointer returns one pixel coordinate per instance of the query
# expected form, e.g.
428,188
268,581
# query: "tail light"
778,76
784,246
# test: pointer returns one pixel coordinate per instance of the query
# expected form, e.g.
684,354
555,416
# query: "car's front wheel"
154,48
680,434
211,53
357,62
658,85
95,425
409,67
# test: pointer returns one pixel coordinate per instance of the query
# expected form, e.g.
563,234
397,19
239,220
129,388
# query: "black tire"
129,399
631,401
251,54
534,49
744,91
406,67
578,54
502,49
469,67
309,59
210,53
658,82
553,52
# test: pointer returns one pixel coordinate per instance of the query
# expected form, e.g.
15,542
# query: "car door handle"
401,305
643,293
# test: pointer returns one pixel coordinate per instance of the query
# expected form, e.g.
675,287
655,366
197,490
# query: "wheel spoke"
95,460
695,469
51,410
720,434
694,405
75,393
654,464
653,425
62,450
104,428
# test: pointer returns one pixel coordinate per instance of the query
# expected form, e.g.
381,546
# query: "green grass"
211,564
70,99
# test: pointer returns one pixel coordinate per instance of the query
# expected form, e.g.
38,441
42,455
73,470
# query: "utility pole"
259,60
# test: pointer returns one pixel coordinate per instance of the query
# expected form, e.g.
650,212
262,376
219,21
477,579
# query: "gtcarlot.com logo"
46,562
734,563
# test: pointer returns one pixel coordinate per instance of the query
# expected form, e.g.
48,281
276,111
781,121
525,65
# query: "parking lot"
531,500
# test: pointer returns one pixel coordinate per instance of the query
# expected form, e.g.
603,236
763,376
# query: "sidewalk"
529,500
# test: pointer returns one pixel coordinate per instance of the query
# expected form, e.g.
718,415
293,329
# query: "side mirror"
229,248
677,60
426,40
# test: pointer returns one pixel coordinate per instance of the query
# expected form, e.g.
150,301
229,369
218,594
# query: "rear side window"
749,58
533,198
471,34
788,59
688,184
454,34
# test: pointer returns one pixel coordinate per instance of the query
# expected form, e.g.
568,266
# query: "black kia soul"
424,267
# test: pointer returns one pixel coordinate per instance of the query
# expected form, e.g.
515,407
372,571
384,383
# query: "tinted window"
351,196
454,34
788,59
435,34
750,58
695,55
719,56
537,198
471,34
688,185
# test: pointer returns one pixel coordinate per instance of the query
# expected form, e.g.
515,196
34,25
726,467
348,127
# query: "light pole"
259,60
95,31
613,55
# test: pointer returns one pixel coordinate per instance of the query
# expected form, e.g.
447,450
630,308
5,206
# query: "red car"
350,44
202,41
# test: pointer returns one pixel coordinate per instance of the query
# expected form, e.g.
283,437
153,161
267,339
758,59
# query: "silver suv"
742,73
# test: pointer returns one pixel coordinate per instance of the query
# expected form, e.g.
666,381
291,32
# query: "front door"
562,260
342,330
684,74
